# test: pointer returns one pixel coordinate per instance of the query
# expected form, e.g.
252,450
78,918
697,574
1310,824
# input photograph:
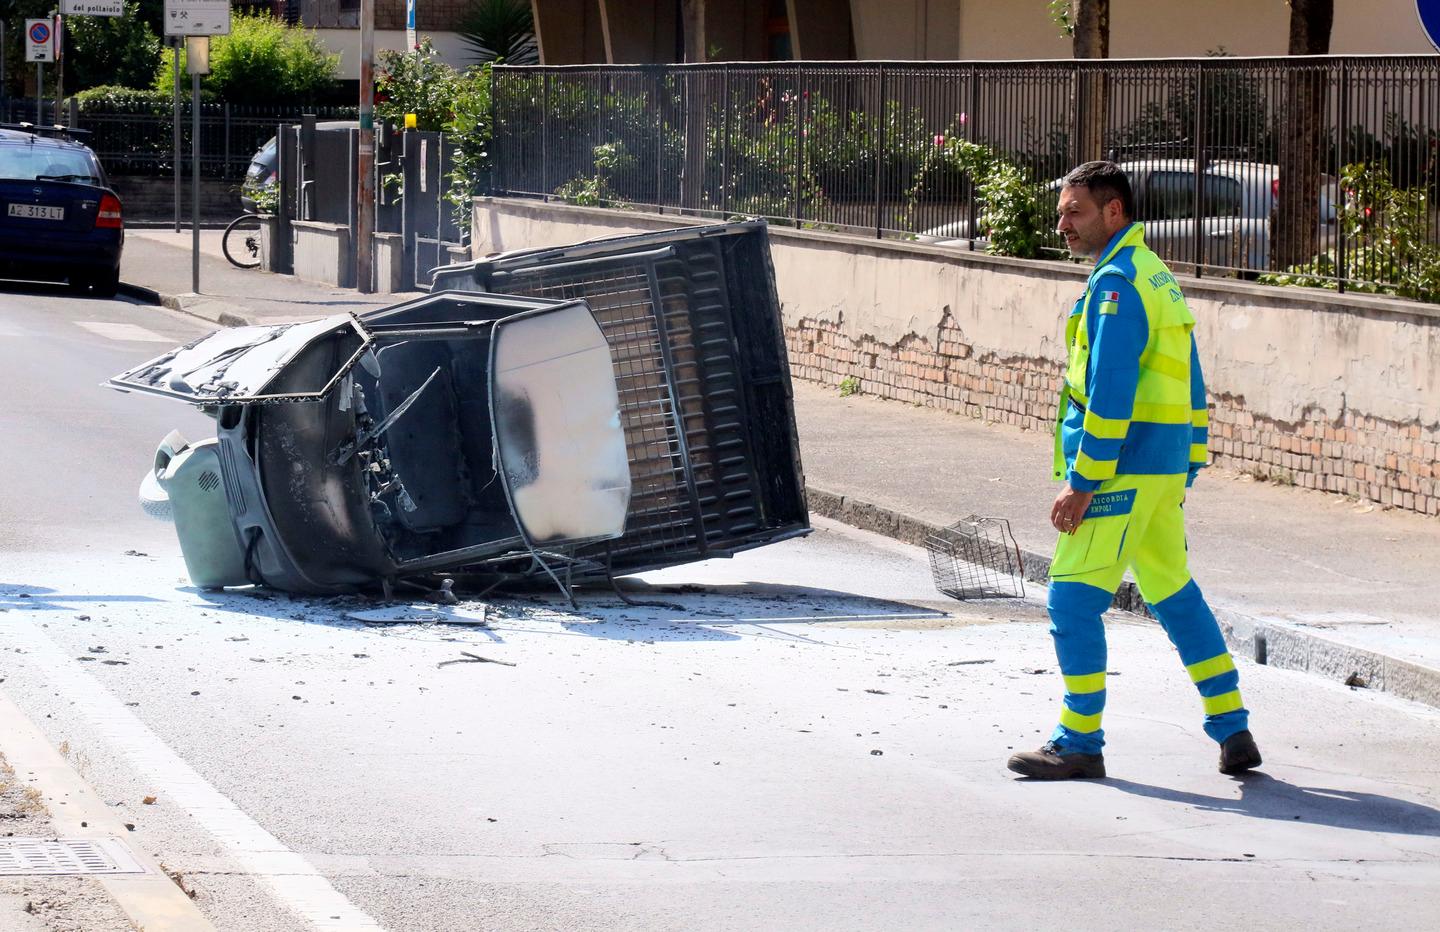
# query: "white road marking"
125,333
296,883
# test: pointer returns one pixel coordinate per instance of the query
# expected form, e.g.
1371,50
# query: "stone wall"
152,198
1333,392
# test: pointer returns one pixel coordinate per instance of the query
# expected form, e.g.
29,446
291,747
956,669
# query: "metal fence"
137,139
1324,168
318,169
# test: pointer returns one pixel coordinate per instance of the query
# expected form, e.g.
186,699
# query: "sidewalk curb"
1266,642
140,293
151,901
196,305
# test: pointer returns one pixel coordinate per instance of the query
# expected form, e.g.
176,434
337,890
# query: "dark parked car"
262,173
59,218
568,413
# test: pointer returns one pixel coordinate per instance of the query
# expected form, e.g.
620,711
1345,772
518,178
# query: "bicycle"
241,242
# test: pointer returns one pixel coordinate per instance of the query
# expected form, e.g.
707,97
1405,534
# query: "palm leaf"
500,30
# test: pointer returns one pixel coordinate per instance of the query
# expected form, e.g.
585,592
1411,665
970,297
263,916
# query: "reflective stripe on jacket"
1134,397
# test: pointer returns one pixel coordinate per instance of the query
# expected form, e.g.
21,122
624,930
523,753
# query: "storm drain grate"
66,856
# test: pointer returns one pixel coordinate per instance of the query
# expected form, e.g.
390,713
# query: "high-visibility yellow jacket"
1134,397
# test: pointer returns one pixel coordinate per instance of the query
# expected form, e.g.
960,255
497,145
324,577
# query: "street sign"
411,43
1429,11
93,7
197,17
39,40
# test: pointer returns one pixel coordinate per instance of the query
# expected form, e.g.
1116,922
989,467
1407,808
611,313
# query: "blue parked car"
59,217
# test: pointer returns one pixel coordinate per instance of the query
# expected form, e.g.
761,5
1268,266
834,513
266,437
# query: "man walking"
1130,438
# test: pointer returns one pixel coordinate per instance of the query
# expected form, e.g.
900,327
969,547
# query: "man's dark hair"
1106,182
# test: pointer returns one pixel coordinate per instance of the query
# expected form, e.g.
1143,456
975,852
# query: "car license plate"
37,212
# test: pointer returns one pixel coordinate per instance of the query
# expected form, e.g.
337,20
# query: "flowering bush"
1386,239
1014,215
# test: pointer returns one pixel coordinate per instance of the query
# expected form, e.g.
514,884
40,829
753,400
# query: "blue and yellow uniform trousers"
1134,522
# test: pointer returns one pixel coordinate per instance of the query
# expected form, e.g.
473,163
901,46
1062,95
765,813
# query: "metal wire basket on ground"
976,558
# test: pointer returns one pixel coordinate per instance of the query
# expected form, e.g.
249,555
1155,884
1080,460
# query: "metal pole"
879,157
725,145
495,163
1198,131
365,190
175,132
545,139
410,169
1338,201
799,142
39,89
59,40
195,182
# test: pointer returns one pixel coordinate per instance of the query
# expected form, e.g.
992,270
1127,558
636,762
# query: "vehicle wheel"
105,284
241,243
98,284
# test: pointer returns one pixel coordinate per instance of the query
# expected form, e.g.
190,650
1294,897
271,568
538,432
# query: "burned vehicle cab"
569,413
693,322
444,432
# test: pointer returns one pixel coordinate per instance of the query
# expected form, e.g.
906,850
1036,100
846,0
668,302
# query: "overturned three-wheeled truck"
572,413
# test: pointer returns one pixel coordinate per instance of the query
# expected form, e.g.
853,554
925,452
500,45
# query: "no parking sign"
39,40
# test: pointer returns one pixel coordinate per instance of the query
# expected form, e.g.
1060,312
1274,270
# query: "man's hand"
1069,509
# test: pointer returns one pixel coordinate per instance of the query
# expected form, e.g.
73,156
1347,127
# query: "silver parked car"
1239,199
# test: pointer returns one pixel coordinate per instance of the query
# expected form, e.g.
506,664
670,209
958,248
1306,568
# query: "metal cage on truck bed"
693,323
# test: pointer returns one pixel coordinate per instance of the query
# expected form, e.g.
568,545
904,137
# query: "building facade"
650,31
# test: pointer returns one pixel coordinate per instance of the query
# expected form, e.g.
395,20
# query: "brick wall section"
950,376
1317,366
1396,465
430,15
1392,463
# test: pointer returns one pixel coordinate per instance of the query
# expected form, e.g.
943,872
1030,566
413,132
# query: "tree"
14,13
1090,29
1295,226
501,31
692,18
264,60
110,50
1090,38
692,29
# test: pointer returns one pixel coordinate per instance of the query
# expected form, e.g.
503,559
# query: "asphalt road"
802,738
73,452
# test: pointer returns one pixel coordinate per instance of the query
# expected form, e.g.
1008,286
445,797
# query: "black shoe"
1238,753
1053,763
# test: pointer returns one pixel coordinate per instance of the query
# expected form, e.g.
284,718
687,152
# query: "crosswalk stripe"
126,333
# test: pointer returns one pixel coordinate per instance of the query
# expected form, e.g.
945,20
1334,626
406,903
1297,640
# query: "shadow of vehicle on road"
1265,797
50,289
40,598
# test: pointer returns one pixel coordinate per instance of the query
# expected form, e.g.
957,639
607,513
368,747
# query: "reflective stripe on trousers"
1134,522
